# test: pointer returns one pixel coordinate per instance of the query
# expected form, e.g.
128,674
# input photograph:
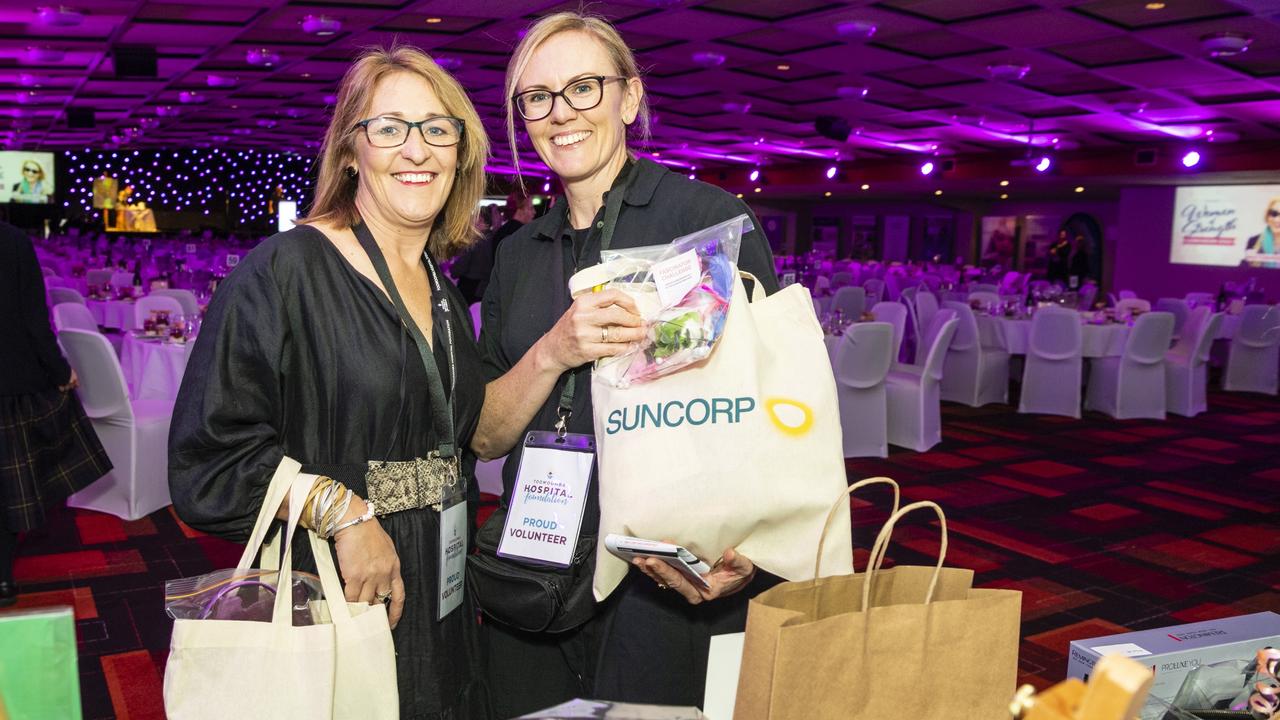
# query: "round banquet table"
153,367
114,314
1014,336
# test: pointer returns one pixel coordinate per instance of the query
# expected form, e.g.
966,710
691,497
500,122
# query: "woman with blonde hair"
1265,242
575,86
341,344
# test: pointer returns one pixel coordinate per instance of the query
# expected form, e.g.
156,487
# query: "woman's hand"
596,325
729,575
369,564
72,383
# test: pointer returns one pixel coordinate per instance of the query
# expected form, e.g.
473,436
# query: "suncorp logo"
788,416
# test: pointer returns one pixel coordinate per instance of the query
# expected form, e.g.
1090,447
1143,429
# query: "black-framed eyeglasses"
390,132
581,94
34,171
1273,213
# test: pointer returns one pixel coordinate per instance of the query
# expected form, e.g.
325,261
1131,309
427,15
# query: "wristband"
367,516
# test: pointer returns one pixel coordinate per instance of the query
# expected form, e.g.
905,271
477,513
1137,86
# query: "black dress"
48,448
301,355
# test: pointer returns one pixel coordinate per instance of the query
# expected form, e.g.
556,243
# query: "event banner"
26,177
1229,225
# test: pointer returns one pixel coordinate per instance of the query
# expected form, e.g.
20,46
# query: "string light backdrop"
213,181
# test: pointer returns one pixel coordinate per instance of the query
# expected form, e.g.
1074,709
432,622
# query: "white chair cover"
851,301
1128,294
1176,307
143,308
841,279
59,295
896,315
984,287
1252,360
861,363
822,283
1186,368
73,315
971,374
186,298
985,297
1088,295
1126,306
926,309
48,271
1191,330
121,279
1052,377
911,392
134,434
1196,299
1132,385
100,276
875,290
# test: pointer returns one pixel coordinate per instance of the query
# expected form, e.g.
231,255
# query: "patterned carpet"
1104,525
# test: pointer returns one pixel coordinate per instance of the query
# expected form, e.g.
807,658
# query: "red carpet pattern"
1104,526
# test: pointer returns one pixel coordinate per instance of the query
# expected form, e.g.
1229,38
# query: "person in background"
1264,243
303,354
1059,258
1081,263
48,449
575,85
474,268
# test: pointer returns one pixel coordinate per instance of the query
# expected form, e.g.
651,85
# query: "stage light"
937,192
927,168
755,175
1079,188
866,187
831,172
1043,164
1004,183
756,190
1191,159
826,194
546,186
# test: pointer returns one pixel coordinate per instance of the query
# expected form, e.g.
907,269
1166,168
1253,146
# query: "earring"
351,173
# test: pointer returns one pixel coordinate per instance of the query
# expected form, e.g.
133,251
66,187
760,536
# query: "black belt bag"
533,598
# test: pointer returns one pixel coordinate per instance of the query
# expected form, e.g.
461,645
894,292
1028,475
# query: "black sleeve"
494,359
225,438
35,314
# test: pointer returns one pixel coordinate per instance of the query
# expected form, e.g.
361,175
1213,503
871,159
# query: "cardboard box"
1172,652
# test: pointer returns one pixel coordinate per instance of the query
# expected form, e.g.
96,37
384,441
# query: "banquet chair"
896,315
120,280
99,276
984,287
47,271
1186,368
134,433
1132,385
913,406
477,313
73,315
822,282
1054,367
875,290
1252,357
1176,307
931,281
143,308
926,307
1010,283
892,286
1191,329
1126,306
973,375
59,295
985,297
1195,299
841,279
861,363
186,298
908,295
851,301
1088,295
1128,294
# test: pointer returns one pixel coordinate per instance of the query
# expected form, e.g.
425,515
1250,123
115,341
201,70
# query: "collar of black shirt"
555,224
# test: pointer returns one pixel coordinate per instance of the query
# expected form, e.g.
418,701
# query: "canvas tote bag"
342,668
907,641
742,450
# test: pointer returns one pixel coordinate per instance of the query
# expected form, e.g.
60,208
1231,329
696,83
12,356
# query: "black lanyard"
612,207
441,404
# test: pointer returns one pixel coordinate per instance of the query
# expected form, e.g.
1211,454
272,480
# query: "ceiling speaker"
80,118
832,127
134,61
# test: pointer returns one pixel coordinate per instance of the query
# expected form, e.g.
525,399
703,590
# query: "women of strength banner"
1226,225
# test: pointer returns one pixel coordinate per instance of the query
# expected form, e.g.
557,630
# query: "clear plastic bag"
682,290
235,594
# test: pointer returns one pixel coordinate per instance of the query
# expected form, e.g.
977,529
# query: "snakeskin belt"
410,484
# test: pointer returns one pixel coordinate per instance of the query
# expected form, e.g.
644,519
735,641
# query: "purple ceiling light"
857,29
927,168
706,58
265,57
1225,44
755,175
59,16
831,172
1008,71
44,55
321,25
1043,164
190,97
852,92
448,62
220,80
1191,159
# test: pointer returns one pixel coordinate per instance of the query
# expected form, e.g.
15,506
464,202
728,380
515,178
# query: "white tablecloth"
115,314
1014,336
153,368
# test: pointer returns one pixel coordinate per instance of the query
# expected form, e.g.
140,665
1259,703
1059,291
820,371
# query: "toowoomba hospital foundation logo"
790,417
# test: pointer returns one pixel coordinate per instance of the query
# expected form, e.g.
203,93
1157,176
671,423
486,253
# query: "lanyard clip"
562,424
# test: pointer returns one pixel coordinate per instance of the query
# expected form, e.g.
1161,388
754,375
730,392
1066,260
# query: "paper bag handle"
843,500
882,544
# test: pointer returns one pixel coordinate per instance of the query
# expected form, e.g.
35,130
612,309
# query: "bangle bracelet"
367,516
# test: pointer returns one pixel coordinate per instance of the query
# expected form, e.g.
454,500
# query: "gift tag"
675,277
545,514
453,554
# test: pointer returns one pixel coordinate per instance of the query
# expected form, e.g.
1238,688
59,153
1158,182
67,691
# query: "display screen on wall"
1229,225
26,177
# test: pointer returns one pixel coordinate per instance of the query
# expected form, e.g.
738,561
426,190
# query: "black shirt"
528,291
28,349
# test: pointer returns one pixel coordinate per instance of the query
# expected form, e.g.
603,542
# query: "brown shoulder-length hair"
454,229
624,62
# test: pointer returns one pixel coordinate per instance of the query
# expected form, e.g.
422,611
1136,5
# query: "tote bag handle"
281,481
882,544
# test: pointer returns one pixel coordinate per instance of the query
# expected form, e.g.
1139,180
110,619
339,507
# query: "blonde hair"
454,228
597,27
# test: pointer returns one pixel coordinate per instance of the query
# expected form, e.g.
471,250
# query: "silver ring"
662,586
604,333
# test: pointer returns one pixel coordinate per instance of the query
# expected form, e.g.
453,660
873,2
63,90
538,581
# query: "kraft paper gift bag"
916,642
342,667
741,450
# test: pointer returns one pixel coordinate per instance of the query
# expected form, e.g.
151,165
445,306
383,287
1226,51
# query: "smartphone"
627,548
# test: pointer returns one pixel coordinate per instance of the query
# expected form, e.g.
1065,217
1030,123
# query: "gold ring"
383,597
604,333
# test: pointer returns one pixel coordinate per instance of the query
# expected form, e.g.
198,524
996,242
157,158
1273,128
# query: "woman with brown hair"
341,344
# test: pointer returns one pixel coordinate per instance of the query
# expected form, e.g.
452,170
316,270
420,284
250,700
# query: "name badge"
545,515
453,554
